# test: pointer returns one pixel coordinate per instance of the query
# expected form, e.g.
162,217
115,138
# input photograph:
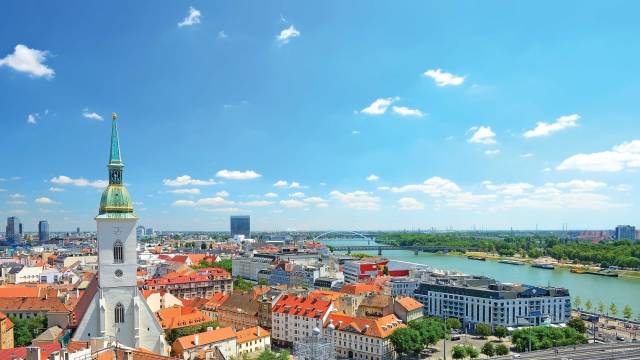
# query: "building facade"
247,267
293,318
363,339
118,309
13,231
625,232
475,300
240,225
43,231
201,285
357,270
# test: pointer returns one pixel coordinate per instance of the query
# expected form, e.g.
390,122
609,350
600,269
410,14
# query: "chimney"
33,353
258,331
196,340
209,328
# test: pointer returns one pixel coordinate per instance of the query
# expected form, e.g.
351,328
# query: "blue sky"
471,114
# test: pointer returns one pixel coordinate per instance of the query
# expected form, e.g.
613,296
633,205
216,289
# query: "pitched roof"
249,334
378,301
241,303
359,288
48,304
181,316
301,306
409,303
21,352
49,335
207,337
216,300
379,327
20,291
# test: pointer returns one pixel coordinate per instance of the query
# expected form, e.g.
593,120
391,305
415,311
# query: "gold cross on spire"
114,116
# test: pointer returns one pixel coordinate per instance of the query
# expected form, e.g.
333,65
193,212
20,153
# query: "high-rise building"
13,231
241,225
43,231
149,231
139,232
118,311
625,232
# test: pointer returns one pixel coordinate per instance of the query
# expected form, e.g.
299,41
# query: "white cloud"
81,182
373,177
482,135
544,129
16,202
270,195
194,191
211,201
228,210
298,194
315,200
45,201
620,157
492,152
185,180
527,155
409,203
16,196
405,111
292,203
238,175
580,185
434,186
358,199
91,115
56,189
30,61
31,119
623,187
384,188
513,189
222,193
379,106
283,184
222,35
192,18
355,132
258,203
443,78
287,34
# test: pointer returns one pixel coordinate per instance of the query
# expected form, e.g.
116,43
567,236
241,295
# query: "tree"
500,332
502,349
471,351
174,334
454,323
270,355
483,330
459,352
241,284
431,329
600,307
613,309
25,330
263,282
203,246
407,341
488,349
578,324
627,312
588,305
577,301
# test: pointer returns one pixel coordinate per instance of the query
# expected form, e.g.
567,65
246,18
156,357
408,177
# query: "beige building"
222,342
363,338
6,332
158,300
407,309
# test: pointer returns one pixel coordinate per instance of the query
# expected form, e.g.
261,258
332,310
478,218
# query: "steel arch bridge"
350,233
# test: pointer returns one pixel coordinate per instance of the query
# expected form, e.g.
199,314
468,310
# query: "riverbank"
549,260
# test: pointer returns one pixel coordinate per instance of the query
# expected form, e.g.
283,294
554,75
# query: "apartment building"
293,318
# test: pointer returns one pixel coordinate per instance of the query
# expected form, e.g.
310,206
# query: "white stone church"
118,312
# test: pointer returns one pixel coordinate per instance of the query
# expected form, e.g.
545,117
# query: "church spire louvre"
114,154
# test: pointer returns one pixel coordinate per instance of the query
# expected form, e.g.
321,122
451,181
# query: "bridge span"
415,249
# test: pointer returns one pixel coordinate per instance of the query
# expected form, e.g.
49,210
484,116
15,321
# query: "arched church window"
119,313
118,256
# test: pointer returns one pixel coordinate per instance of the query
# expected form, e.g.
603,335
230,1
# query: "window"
119,313
118,257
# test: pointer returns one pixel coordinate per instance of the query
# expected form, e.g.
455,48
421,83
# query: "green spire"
114,154
115,201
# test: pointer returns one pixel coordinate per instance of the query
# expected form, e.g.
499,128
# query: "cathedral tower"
118,311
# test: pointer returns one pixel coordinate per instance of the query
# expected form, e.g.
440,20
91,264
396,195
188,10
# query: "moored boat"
511,262
543,266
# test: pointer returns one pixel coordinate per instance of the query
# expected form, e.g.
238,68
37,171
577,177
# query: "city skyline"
308,118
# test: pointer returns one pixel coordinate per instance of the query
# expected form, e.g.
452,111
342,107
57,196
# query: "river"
621,291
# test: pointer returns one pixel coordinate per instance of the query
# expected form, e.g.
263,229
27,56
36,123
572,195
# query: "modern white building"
293,318
363,338
118,310
247,267
475,300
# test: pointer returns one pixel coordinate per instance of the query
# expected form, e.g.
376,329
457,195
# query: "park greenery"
621,253
223,264
273,355
544,337
242,284
464,351
419,333
490,349
173,334
25,330
578,324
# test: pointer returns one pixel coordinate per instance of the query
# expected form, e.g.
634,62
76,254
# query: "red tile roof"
379,327
359,288
181,316
21,352
207,337
409,303
301,306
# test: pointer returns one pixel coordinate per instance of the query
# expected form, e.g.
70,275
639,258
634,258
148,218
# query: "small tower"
118,311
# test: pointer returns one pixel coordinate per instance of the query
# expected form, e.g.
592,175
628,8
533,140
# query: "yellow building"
6,332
